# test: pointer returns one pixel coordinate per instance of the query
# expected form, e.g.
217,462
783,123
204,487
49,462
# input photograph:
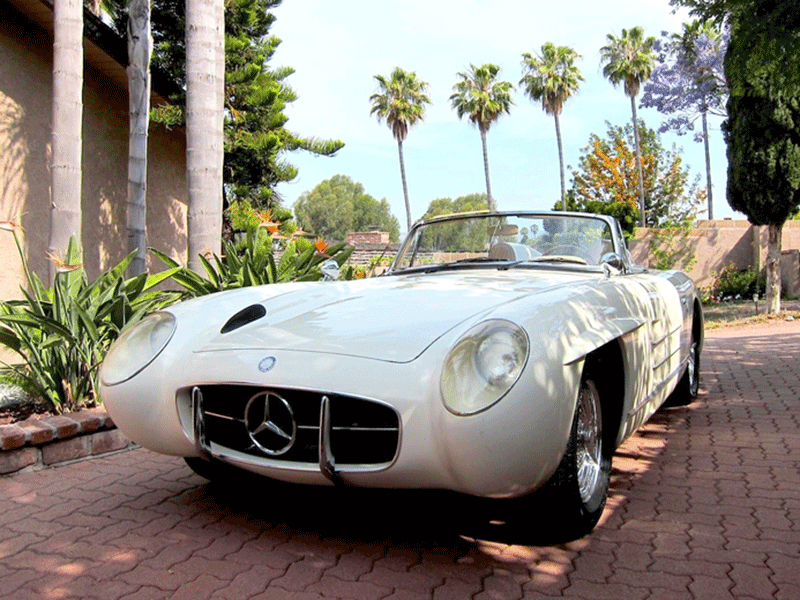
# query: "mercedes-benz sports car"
502,355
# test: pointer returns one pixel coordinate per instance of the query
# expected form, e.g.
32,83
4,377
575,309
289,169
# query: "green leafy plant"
61,333
733,284
378,264
252,262
243,217
670,247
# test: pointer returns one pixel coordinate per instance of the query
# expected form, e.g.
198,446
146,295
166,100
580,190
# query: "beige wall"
716,244
25,106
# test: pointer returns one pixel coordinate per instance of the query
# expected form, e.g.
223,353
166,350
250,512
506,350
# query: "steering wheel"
568,250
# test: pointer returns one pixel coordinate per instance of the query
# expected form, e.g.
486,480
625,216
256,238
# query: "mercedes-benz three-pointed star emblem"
270,423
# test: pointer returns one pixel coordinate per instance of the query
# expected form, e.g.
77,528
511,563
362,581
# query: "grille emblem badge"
270,423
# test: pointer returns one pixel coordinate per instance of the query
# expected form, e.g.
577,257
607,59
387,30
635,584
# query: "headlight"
137,348
483,366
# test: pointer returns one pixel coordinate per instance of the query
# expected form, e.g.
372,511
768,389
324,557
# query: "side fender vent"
243,317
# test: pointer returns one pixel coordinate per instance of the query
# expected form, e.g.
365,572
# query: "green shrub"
244,217
733,284
61,333
252,262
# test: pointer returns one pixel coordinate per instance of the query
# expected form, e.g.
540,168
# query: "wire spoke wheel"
574,497
693,369
689,385
588,442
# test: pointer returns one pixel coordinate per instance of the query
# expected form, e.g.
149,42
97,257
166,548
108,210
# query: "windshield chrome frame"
618,242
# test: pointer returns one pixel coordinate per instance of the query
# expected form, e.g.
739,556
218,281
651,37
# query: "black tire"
689,385
576,494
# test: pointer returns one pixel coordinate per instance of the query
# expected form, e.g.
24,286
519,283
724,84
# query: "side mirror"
613,259
330,270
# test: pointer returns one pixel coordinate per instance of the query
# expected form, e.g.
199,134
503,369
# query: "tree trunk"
708,167
405,184
67,132
489,198
643,220
561,163
773,300
205,80
139,50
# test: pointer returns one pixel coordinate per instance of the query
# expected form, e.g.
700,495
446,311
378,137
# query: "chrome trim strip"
226,417
340,428
198,428
658,387
312,427
381,429
665,359
327,463
664,337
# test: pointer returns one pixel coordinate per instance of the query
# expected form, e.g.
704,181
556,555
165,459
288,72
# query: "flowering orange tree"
606,180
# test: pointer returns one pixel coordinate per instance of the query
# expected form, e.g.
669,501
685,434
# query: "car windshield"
516,238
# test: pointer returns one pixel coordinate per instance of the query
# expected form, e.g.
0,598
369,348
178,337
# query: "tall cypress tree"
762,131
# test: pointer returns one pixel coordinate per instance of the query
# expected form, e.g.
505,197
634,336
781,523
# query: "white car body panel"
385,340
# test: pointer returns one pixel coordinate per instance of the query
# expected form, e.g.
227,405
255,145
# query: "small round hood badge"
266,364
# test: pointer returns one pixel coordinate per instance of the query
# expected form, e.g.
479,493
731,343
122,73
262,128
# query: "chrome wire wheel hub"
589,448
694,380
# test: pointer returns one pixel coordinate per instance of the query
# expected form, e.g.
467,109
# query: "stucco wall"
716,244
25,107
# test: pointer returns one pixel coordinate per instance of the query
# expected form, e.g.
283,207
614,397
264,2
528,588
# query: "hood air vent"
243,317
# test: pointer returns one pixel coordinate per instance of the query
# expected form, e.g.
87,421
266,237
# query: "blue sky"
337,47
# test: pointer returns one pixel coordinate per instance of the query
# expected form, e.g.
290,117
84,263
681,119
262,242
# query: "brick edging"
40,443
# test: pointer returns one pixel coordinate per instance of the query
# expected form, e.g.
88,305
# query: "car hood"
388,318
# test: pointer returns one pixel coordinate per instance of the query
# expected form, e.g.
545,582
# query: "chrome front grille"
289,425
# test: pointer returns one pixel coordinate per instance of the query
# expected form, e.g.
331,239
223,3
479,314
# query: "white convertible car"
502,355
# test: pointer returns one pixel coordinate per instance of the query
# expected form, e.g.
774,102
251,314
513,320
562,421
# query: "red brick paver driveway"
705,504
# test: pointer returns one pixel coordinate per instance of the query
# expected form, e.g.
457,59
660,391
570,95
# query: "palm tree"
67,133
630,60
401,103
483,99
552,78
205,79
140,45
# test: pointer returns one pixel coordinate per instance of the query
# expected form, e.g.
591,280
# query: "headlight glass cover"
483,366
137,348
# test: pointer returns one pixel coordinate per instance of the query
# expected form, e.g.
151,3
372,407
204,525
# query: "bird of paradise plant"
61,333
253,261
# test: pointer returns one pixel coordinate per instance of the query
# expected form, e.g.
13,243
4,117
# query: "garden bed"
44,440
741,312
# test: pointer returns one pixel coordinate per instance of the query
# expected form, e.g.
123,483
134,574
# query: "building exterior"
26,48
